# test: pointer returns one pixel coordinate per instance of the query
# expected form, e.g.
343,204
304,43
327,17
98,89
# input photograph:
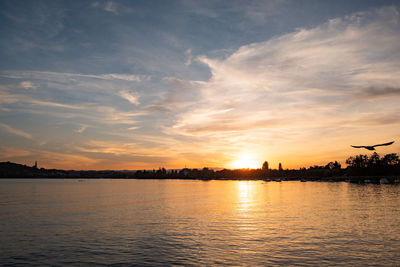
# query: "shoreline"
11,170
353,179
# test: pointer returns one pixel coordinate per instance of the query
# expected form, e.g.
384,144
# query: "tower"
265,166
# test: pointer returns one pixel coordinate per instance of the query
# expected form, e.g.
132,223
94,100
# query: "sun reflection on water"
245,195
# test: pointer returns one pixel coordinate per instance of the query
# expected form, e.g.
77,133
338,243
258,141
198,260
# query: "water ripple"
158,223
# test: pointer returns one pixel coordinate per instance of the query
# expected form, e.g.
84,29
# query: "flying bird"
373,147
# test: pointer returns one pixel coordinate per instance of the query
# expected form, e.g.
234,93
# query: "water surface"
166,222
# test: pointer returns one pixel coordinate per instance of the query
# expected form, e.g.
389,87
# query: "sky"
148,84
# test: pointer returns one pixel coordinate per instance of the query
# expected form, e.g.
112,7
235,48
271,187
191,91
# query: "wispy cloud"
108,148
108,6
111,115
180,95
53,75
381,92
91,98
8,153
81,129
10,98
317,66
293,86
12,130
189,57
51,159
133,128
132,97
28,85
111,7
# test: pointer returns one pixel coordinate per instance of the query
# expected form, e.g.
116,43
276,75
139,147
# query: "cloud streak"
108,6
28,85
81,129
132,97
14,131
9,98
47,75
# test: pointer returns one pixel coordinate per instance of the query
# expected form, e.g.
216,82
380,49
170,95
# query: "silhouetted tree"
333,165
391,159
359,161
374,161
374,165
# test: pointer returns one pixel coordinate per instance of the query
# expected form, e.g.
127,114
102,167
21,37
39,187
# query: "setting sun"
245,161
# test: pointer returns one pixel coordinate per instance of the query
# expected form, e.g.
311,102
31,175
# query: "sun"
245,161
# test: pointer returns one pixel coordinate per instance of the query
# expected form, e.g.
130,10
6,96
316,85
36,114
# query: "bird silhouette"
373,147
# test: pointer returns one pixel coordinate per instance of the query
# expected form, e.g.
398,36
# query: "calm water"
166,222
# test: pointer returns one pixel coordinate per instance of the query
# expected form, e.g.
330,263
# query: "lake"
188,222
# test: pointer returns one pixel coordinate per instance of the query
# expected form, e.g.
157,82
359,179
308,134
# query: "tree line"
359,165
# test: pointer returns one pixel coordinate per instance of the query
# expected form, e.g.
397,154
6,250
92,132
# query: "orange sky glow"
143,92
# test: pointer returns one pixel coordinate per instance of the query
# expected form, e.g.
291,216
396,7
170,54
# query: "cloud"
108,148
372,119
92,98
189,57
132,97
65,160
9,98
260,12
110,115
81,129
181,94
133,128
108,6
47,75
380,92
28,85
125,77
7,153
315,67
123,150
12,130
111,7
289,90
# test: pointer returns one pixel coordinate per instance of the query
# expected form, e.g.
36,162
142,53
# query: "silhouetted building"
280,167
185,171
35,166
265,166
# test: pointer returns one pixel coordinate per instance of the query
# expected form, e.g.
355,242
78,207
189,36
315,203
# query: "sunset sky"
148,84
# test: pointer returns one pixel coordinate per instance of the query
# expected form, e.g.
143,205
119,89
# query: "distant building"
185,171
35,166
265,166
280,166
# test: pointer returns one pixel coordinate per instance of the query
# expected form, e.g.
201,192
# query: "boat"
383,181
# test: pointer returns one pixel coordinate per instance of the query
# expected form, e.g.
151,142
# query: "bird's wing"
358,146
385,144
